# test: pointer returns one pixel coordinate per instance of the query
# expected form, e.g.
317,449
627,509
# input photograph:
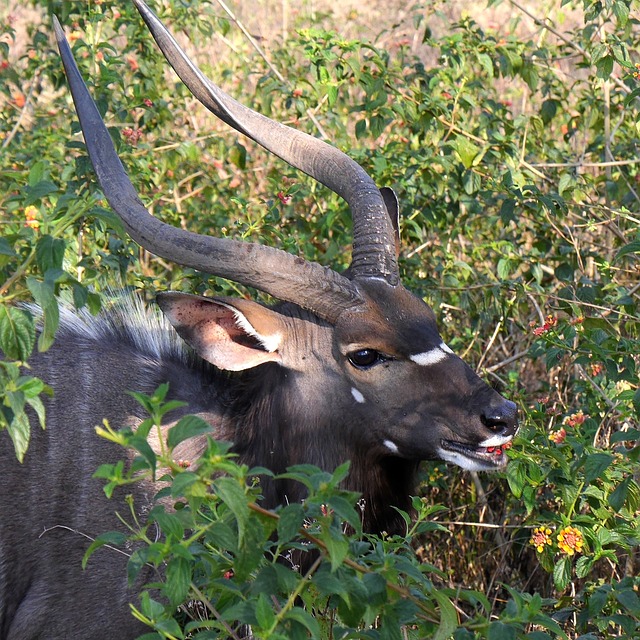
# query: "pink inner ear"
219,331
223,343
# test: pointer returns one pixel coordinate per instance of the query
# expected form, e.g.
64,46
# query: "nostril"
501,420
493,423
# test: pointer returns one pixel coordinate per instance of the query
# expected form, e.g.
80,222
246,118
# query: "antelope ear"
231,334
393,209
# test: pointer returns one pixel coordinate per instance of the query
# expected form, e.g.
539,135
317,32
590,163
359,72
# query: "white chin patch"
495,441
462,461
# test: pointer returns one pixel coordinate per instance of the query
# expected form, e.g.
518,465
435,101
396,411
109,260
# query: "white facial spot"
391,446
357,396
431,357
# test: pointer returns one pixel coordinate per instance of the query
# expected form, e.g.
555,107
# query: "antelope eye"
365,358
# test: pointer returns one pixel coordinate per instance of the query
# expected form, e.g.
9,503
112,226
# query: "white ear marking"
357,396
270,343
391,446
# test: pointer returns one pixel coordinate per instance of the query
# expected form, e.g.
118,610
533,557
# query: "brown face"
420,400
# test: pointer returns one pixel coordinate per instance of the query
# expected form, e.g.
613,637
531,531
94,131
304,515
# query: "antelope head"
393,378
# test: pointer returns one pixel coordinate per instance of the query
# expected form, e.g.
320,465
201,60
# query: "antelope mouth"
475,457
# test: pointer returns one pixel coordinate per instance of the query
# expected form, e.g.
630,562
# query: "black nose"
501,419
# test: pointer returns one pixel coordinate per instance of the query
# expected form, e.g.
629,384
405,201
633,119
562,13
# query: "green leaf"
632,247
516,477
548,110
188,427
448,616
617,499
178,580
38,191
630,601
595,465
337,547
43,293
264,612
290,520
604,67
562,573
17,333
305,619
466,150
142,446
238,155
5,248
621,12
111,538
329,583
501,631
235,498
168,522
19,428
49,253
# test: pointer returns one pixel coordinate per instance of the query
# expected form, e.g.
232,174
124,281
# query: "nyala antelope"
347,366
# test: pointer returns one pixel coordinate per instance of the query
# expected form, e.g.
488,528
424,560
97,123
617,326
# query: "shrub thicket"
516,161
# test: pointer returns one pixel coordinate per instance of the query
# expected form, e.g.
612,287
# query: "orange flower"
541,538
133,63
558,436
550,321
575,419
18,99
570,540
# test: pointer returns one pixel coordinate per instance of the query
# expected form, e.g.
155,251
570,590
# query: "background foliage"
513,146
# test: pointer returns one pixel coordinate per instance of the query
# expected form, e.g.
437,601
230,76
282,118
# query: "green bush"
515,158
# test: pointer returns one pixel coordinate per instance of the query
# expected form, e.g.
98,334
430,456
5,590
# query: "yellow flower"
541,537
30,214
570,540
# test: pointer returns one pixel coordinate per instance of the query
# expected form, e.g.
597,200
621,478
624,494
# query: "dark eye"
365,358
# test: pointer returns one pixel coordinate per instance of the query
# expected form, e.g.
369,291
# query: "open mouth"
475,456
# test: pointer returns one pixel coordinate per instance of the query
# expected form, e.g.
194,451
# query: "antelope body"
347,367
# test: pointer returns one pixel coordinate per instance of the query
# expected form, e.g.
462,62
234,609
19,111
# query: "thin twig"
494,335
205,601
23,111
576,47
262,54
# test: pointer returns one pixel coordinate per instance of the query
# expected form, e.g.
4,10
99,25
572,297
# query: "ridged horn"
278,273
374,246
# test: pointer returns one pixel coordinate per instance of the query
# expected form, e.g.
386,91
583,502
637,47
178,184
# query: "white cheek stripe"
357,396
432,357
391,446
